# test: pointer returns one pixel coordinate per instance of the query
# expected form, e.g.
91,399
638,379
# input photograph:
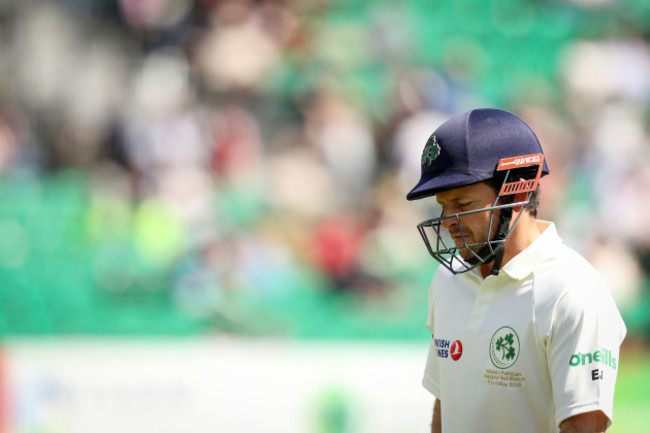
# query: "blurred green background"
189,168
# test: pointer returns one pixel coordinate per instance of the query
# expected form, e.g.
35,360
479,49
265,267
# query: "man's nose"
451,222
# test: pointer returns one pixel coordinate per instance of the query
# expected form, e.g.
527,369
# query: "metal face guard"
448,253
442,247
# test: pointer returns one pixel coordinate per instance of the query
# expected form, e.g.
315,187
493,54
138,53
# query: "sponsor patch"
447,349
602,356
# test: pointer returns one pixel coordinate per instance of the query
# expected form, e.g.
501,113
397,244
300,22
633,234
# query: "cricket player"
525,334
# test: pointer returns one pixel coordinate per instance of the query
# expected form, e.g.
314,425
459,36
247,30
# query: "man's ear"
520,197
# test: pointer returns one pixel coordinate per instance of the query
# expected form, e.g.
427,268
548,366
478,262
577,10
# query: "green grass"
632,399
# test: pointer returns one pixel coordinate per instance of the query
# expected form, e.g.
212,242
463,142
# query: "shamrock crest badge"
431,151
504,348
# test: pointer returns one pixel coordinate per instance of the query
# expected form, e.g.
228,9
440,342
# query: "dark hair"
533,204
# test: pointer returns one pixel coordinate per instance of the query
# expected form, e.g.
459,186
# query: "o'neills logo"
604,356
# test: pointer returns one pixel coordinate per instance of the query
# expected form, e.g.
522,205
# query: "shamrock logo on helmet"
431,151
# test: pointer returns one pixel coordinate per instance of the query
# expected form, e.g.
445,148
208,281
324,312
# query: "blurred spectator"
344,139
238,52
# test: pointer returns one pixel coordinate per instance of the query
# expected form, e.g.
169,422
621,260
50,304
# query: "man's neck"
524,234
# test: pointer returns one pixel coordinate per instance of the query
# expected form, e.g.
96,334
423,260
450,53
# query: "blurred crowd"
239,152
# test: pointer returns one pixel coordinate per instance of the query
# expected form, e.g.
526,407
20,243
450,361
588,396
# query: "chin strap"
502,233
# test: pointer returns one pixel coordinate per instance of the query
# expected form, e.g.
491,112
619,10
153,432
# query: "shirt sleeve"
583,351
430,379
431,371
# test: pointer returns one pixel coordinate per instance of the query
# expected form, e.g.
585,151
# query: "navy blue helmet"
472,147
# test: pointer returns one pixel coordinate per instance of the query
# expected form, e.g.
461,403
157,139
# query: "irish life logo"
504,348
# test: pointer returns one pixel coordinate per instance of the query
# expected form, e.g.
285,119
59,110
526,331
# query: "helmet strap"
484,255
502,233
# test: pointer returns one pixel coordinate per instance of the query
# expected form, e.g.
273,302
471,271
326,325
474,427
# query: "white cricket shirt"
523,350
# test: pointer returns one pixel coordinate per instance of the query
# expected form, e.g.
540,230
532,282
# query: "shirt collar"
546,244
